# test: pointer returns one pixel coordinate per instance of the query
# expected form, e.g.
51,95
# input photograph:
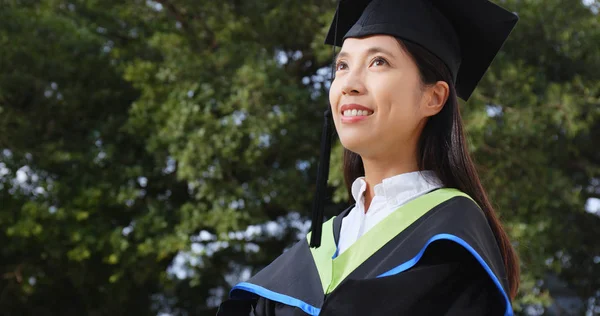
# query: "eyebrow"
370,51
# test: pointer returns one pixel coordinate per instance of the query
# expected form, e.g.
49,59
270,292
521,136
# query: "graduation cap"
465,34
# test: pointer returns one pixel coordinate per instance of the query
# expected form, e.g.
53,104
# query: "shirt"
390,194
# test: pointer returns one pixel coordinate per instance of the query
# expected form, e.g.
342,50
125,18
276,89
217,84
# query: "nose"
353,84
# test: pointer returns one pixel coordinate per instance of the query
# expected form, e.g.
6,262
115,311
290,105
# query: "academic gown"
435,255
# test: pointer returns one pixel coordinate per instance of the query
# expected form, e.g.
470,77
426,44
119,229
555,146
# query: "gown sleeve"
237,308
257,307
266,307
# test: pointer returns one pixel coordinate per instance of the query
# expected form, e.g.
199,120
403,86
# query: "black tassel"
322,176
323,168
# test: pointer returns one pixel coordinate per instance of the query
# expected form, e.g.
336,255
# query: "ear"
435,98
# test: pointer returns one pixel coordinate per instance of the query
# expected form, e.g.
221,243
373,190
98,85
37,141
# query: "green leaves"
150,124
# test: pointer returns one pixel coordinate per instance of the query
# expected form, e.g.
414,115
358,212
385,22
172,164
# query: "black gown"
435,255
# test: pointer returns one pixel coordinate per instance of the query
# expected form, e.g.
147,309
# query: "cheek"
392,97
399,106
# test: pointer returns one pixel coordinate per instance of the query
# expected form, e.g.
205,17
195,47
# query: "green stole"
332,271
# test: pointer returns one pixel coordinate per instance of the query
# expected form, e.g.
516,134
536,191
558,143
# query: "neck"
377,169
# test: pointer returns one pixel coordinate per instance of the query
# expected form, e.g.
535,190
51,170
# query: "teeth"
356,112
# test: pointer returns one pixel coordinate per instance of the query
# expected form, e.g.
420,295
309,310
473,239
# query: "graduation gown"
435,255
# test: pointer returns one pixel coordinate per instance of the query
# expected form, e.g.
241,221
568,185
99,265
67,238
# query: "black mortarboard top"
465,34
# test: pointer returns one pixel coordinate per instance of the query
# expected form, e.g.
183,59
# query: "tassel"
322,176
323,168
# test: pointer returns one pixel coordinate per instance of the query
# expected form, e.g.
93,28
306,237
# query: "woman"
422,238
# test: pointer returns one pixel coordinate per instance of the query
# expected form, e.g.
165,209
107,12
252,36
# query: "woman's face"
375,97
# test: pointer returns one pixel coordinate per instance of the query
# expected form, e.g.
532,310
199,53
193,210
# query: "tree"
156,152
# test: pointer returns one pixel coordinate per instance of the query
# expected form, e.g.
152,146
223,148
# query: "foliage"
152,153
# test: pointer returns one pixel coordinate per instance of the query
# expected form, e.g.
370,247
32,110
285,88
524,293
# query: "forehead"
386,43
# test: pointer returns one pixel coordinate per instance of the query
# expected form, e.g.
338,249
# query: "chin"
355,144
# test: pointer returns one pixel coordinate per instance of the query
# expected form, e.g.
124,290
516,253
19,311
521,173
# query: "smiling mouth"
352,113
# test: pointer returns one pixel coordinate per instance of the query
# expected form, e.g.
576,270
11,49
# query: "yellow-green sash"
332,271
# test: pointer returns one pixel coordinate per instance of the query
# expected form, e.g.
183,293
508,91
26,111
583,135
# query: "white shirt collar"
398,189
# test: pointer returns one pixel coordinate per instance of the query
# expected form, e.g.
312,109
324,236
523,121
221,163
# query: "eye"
379,61
340,65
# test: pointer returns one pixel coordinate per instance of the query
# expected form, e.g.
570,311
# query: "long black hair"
442,148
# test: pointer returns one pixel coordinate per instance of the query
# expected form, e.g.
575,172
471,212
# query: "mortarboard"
465,34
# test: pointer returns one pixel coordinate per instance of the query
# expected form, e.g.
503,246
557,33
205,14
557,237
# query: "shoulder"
292,280
461,225
457,233
459,210
452,240
459,281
